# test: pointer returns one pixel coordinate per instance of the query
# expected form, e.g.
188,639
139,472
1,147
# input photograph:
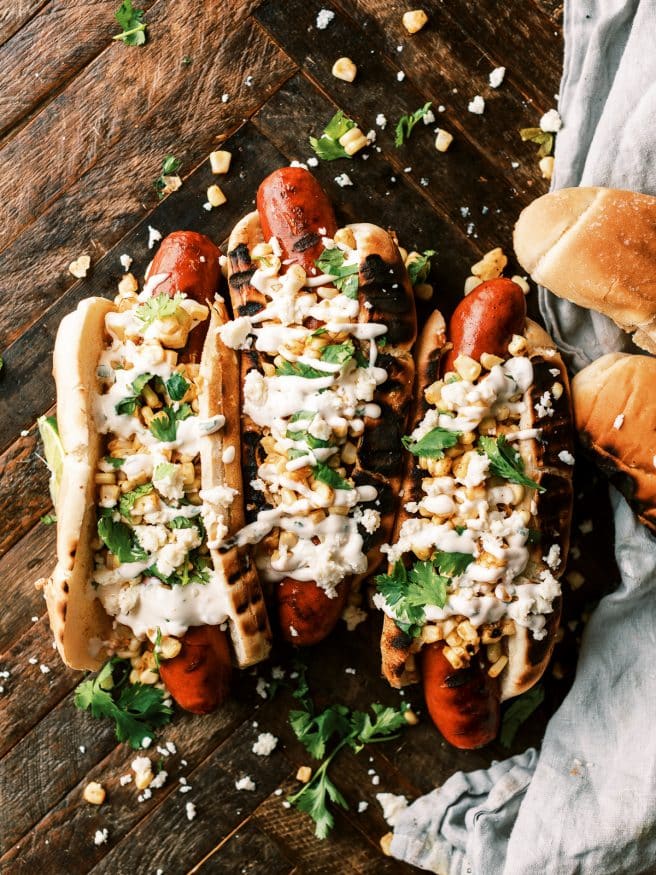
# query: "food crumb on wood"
551,122
324,17
362,806
400,76
496,76
154,236
190,811
343,180
101,837
126,261
586,527
304,774
245,783
392,806
265,744
476,105
94,793
80,267
414,20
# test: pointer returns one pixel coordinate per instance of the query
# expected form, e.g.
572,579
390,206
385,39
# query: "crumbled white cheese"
496,76
349,671
225,98
392,806
159,780
324,17
262,687
126,261
235,332
343,180
381,121
553,557
154,236
618,422
101,836
312,161
190,810
543,407
400,76
293,632
245,783
362,806
44,669
353,616
125,779
277,672
248,81
33,660
566,457
476,105
265,744
429,117
551,122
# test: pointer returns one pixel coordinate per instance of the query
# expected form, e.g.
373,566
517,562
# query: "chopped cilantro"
120,540
176,386
49,519
433,444
298,369
157,307
328,146
328,475
128,499
406,123
345,276
338,353
418,268
544,139
128,405
505,461
114,462
132,24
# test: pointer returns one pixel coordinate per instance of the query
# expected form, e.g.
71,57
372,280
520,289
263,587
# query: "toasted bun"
78,619
621,385
595,247
527,656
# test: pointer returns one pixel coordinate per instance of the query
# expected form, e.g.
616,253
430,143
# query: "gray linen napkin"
587,802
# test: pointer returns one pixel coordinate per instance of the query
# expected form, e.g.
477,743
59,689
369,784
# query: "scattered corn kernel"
443,140
557,390
169,647
220,161
215,196
344,69
410,717
491,265
489,361
467,367
470,284
80,266
386,844
353,141
128,284
496,669
414,20
546,166
517,345
522,283
304,774
94,793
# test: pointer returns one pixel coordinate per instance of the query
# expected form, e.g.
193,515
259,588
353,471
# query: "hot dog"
471,597
151,485
325,322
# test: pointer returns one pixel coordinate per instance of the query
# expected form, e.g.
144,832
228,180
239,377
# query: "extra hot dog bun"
80,624
617,424
595,247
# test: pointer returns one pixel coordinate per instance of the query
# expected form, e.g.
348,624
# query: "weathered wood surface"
84,125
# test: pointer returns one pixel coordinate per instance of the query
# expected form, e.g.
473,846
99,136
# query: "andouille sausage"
464,703
294,208
198,678
486,320
191,261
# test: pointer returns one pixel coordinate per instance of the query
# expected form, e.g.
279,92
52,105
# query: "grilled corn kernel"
423,291
508,627
196,311
148,677
517,345
467,632
518,493
80,266
151,398
488,425
546,166
353,141
496,669
414,20
457,656
386,844
471,283
522,283
344,69
494,651
169,647
443,140
134,679
431,632
304,774
490,635
146,504
344,237
143,779
128,284
557,390
467,367
109,495
323,492
449,625
295,278
94,793
349,453
453,639
489,361
215,196
491,265
108,478
288,539
422,553
220,161
410,717
433,393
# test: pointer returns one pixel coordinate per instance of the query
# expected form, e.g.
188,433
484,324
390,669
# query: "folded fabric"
585,803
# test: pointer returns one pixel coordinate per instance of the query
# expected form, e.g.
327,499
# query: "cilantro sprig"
120,539
544,139
157,307
419,267
505,461
406,123
170,166
345,276
298,369
335,727
409,592
138,710
132,24
432,444
328,146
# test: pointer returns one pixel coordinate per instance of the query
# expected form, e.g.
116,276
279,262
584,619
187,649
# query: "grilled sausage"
198,678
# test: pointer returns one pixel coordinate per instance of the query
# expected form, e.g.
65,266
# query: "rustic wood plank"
73,33
249,851
60,215
24,495
475,183
13,16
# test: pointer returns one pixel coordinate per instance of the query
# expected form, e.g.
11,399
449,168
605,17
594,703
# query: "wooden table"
84,125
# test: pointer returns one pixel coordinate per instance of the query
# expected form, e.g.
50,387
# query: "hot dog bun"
617,424
595,247
465,699
83,629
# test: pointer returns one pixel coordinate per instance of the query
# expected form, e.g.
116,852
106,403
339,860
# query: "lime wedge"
54,452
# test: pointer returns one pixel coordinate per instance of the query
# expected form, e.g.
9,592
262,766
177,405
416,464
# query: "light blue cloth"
587,802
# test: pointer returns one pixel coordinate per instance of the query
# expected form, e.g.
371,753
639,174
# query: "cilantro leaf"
338,353
314,732
300,416
518,712
141,382
128,405
132,24
406,123
120,540
505,461
298,369
128,499
328,475
433,444
137,709
452,564
114,462
544,139
313,800
310,440
418,267
164,425
49,519
176,386
386,722
345,276
427,587
328,146
170,166
158,307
